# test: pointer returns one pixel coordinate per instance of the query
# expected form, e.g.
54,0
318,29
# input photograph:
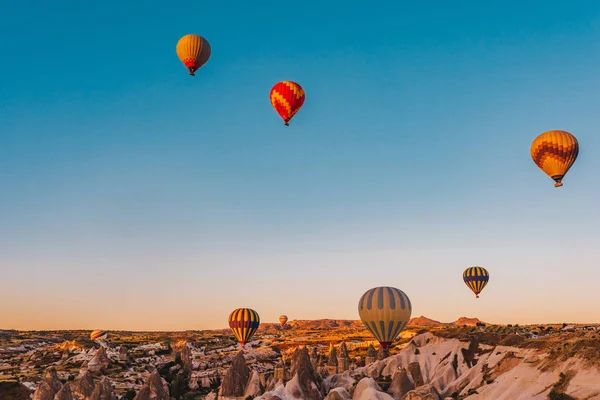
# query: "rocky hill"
323,359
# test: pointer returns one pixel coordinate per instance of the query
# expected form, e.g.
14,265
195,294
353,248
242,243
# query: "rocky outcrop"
343,359
333,359
401,384
415,372
368,389
186,359
426,392
382,354
254,387
154,389
64,393
371,355
236,378
48,386
99,361
103,390
14,390
304,383
83,386
338,394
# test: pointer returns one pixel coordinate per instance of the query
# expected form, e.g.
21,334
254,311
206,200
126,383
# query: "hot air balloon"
193,51
385,311
555,152
98,335
287,98
243,323
283,319
476,278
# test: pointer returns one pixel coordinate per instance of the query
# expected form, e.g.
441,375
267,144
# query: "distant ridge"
327,323
468,321
424,321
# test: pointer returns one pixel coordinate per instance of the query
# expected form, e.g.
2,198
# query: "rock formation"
154,389
254,387
83,386
103,390
48,386
371,355
186,359
401,384
367,388
314,359
382,354
99,361
332,362
304,383
426,392
64,393
279,371
236,377
343,359
415,372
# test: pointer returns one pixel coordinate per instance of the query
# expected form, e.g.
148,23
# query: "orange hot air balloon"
555,152
193,51
287,98
283,319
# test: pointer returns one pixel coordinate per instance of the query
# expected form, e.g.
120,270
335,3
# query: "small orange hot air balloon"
287,98
283,319
193,51
555,152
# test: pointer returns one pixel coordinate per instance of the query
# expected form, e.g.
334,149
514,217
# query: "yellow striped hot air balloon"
193,51
283,319
243,323
476,278
554,152
98,335
385,311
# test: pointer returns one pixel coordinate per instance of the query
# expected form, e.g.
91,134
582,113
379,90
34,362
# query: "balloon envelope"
287,98
98,335
554,152
193,51
243,323
385,311
476,278
283,319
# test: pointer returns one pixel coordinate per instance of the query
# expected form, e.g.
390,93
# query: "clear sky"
133,196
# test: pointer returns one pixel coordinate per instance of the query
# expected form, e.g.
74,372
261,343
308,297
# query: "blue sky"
137,197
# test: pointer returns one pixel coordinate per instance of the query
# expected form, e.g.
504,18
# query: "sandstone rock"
401,384
426,392
99,361
236,378
367,388
415,372
338,394
83,386
64,393
103,390
48,386
154,389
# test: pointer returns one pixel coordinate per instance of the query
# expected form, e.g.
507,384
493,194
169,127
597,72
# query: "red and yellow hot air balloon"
476,278
555,152
287,98
193,51
243,323
283,319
